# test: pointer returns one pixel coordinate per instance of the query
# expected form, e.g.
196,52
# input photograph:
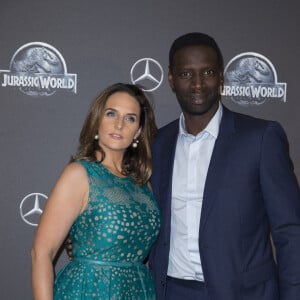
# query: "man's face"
196,77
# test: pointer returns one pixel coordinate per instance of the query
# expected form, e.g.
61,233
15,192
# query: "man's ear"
170,79
222,77
221,82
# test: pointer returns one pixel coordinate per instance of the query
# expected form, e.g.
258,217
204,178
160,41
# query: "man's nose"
197,81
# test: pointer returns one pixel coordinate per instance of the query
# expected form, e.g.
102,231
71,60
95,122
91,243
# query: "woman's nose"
119,123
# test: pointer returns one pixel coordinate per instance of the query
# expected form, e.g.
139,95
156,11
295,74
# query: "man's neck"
196,123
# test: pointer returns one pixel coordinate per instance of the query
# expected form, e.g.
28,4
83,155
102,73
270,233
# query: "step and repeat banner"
56,56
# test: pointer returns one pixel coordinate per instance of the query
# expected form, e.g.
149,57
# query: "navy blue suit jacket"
250,190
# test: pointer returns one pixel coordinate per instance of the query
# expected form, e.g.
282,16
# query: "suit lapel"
167,162
217,166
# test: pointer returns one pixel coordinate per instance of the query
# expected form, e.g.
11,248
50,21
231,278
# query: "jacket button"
163,283
203,246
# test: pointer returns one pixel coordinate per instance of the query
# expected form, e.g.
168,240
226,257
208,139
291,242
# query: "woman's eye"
110,114
130,119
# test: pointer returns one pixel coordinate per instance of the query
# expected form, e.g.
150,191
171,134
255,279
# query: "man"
224,182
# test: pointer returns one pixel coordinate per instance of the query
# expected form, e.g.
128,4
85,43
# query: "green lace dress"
111,239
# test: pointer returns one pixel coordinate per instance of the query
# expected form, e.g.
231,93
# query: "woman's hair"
137,162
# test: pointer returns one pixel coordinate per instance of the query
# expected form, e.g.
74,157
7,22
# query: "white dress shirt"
192,158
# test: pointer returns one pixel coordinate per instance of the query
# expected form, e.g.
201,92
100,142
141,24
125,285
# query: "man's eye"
185,74
209,73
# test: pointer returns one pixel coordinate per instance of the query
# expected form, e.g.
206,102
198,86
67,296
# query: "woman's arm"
67,199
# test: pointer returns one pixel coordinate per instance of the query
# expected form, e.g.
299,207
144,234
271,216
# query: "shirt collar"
212,127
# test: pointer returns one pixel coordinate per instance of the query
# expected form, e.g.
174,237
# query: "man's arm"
282,201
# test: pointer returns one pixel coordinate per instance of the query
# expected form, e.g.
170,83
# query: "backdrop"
56,56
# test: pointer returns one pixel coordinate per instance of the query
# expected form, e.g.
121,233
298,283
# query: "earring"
135,143
96,137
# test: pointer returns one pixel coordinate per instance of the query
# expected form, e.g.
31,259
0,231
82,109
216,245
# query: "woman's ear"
138,133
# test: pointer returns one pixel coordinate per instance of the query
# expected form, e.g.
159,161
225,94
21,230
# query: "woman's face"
120,123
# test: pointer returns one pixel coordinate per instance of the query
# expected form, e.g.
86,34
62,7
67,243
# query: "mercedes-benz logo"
148,73
30,208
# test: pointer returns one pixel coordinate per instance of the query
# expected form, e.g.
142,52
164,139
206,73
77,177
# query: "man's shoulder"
170,127
244,120
166,135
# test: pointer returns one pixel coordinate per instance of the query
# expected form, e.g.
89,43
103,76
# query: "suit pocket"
259,274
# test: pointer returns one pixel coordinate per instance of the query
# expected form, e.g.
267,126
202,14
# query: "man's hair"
195,39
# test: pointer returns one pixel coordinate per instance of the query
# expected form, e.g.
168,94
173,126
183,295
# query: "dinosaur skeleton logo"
38,69
251,79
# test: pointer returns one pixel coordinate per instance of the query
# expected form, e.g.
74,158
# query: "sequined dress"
111,239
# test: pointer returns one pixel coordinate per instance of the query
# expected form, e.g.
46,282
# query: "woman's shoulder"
75,170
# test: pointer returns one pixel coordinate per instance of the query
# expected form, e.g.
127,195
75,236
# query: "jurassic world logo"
251,79
38,69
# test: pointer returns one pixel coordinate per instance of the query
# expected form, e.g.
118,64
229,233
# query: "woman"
103,200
